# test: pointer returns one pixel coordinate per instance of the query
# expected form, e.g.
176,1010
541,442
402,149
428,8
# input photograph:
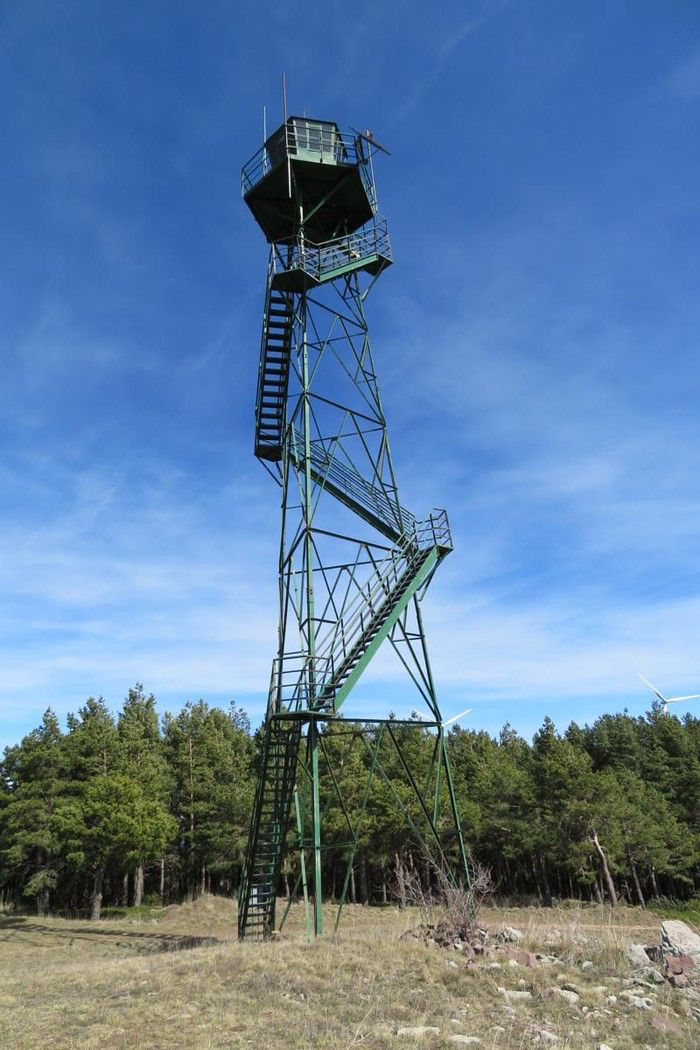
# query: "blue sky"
537,341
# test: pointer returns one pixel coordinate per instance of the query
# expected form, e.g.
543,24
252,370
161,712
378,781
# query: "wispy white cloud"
537,350
451,40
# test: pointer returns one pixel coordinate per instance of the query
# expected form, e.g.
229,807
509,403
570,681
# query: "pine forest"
111,813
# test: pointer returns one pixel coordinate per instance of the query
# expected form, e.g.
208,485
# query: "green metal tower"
354,563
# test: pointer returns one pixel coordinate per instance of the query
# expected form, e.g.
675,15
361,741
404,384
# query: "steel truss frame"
354,565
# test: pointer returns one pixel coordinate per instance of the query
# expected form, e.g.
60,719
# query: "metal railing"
346,480
317,260
309,140
308,681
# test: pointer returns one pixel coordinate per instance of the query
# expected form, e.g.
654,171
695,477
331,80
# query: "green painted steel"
398,605
344,592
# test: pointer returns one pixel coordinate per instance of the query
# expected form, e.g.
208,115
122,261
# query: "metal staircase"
348,582
374,503
273,798
375,625
273,376
324,680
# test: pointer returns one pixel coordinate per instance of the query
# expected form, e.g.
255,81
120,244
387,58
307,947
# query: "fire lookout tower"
354,563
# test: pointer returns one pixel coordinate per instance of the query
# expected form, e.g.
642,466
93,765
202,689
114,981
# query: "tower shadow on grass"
45,934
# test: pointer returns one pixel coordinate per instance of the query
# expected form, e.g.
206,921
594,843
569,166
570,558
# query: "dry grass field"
181,980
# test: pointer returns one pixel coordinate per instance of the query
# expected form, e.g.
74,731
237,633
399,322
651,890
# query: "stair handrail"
433,531
362,610
324,664
354,484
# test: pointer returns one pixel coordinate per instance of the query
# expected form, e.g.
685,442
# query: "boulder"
677,938
679,964
636,954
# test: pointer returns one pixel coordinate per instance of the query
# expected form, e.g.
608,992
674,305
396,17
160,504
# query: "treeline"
115,810
112,808
609,811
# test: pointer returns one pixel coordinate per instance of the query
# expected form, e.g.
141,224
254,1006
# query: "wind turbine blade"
455,717
653,688
675,699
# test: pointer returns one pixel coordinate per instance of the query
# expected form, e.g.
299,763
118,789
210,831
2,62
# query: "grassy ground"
688,912
180,979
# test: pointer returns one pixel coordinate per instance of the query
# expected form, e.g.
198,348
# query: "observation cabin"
311,190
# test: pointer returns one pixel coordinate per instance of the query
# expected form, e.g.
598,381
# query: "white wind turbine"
454,718
666,700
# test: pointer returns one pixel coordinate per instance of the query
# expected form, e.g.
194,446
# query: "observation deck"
310,173
302,265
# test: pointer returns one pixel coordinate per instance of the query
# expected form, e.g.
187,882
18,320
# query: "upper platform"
308,172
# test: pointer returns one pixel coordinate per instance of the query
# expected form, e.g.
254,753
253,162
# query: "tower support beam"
354,562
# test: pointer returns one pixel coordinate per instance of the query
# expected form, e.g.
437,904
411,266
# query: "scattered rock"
604,1046
546,1037
650,973
509,934
564,993
679,980
638,1001
419,1032
520,956
612,999
465,939
515,997
636,954
678,939
587,965
465,1040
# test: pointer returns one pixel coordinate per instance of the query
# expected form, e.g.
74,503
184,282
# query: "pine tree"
33,775
210,755
141,758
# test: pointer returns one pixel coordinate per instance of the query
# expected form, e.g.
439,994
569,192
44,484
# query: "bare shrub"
448,908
